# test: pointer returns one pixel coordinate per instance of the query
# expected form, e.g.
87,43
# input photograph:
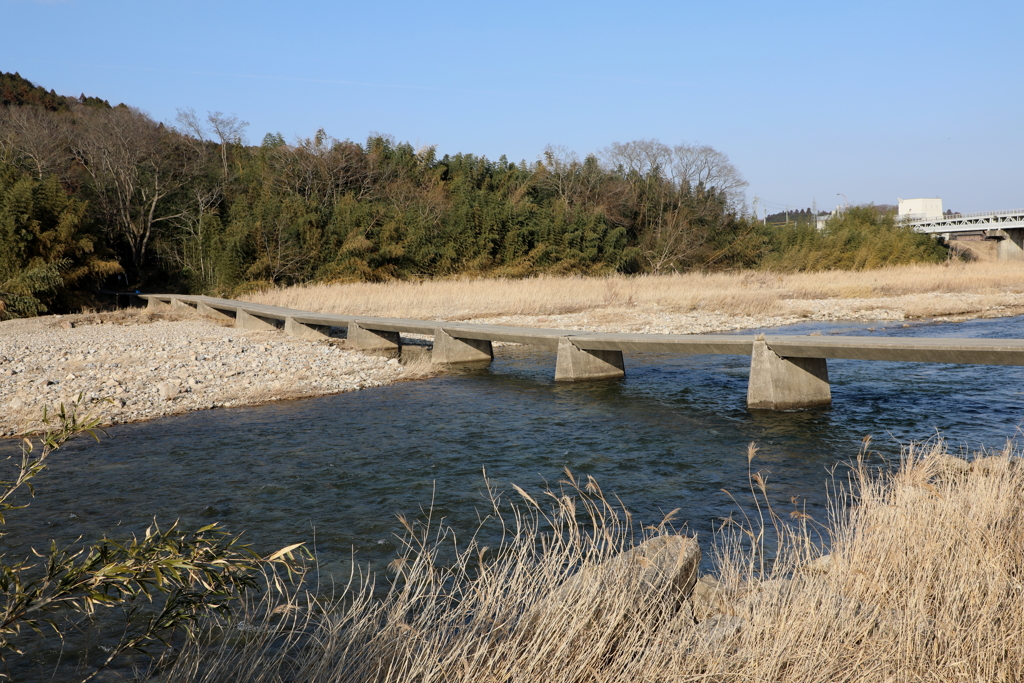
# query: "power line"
783,205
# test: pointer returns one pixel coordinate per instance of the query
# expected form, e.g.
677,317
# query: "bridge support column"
211,312
1011,246
575,364
374,341
248,321
778,383
155,305
304,331
178,304
450,350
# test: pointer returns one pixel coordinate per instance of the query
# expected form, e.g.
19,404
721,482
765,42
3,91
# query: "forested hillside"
96,196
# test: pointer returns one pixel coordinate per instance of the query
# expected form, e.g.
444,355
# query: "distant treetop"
18,91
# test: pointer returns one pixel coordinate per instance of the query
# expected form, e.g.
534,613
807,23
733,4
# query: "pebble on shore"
138,366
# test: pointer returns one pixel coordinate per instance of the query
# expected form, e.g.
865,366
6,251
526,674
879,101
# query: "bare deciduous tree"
135,166
229,130
679,227
189,244
37,137
677,197
321,169
704,166
226,130
576,182
684,164
642,157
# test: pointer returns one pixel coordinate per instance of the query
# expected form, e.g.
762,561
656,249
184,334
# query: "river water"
335,471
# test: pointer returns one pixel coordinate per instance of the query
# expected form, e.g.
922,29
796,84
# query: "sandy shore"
133,365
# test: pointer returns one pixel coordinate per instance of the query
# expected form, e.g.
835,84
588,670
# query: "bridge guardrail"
910,220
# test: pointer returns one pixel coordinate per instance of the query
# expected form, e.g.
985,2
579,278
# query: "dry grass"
919,291
417,364
924,583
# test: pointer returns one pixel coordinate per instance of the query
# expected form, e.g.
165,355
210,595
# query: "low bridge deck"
786,371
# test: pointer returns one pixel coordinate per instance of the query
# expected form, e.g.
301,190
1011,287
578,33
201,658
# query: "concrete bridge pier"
211,312
450,350
1011,243
375,341
201,308
177,303
575,364
155,306
778,383
303,331
248,321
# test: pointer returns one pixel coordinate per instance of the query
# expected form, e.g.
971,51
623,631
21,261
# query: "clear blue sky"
876,100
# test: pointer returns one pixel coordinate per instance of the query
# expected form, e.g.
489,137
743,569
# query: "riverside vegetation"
93,195
133,594
915,576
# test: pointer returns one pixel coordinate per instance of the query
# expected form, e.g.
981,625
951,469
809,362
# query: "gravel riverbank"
652,319
138,366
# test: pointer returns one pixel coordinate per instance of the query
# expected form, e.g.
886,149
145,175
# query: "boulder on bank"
949,466
167,390
658,574
708,597
661,564
992,464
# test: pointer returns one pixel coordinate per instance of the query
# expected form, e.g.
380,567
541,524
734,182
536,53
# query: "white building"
918,209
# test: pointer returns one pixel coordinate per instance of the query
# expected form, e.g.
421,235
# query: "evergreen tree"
50,255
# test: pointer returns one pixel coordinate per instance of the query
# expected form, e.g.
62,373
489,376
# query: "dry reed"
917,290
923,583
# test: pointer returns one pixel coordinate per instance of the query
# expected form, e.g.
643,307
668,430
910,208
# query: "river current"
336,471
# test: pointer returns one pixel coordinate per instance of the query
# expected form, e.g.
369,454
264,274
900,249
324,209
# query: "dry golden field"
680,302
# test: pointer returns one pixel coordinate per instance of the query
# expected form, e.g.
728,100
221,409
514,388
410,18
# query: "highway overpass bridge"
1005,226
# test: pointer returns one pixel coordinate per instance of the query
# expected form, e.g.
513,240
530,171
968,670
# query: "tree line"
95,196
799,216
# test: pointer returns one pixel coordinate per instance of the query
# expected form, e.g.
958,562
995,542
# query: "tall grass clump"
542,605
859,238
916,576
